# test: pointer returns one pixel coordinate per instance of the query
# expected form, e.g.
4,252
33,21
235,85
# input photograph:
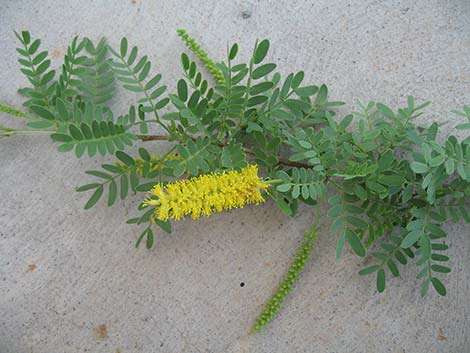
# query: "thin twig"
282,161
153,137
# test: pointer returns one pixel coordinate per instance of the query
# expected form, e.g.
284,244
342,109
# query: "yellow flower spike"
207,194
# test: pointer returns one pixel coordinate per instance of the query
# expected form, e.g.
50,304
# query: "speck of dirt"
56,53
440,335
31,268
102,331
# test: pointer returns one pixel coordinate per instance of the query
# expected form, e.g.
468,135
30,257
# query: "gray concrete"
71,280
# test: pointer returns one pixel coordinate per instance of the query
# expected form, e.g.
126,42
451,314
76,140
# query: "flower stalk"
16,112
301,257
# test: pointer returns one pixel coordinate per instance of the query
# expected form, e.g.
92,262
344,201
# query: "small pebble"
246,14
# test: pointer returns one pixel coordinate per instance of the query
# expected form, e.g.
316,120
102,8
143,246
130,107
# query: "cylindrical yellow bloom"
206,194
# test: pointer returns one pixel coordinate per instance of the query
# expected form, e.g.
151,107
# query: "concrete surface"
71,280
